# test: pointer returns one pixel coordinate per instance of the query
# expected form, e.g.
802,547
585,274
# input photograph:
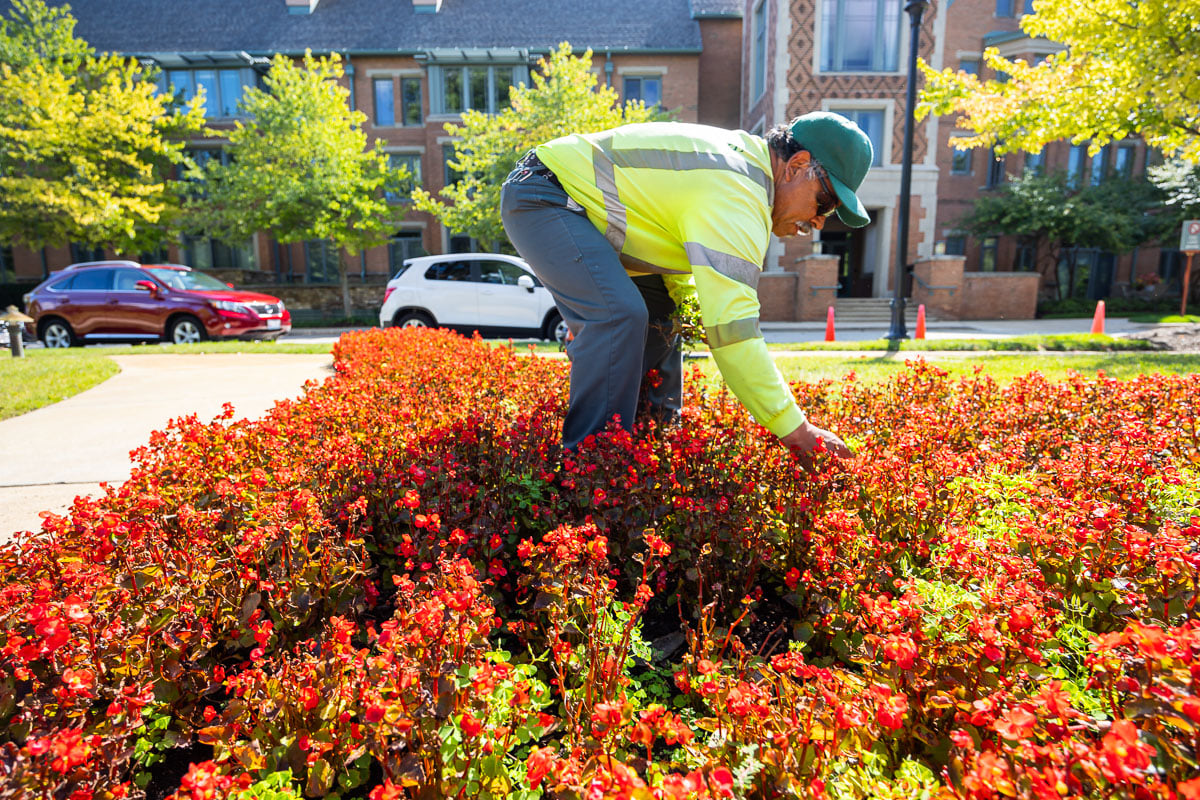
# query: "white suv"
494,294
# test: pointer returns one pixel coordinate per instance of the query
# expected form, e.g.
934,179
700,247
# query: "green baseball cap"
844,151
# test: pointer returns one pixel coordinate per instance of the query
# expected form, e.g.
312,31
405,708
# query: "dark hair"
780,140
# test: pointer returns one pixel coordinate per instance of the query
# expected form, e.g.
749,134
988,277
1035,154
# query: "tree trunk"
345,280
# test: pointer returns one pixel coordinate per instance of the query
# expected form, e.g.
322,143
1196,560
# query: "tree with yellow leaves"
1130,67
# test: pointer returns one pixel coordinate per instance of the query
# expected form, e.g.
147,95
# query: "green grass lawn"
1161,318
1002,367
43,377
214,347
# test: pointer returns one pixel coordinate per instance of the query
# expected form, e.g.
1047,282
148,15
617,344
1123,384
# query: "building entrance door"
854,278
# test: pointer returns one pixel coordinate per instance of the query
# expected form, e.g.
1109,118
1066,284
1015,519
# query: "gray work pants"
621,325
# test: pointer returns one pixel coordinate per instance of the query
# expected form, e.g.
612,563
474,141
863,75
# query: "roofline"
267,54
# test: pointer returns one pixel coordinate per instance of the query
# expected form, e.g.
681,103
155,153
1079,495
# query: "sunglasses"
827,199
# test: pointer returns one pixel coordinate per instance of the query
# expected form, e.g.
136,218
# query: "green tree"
564,98
299,168
87,143
36,33
1130,67
1047,214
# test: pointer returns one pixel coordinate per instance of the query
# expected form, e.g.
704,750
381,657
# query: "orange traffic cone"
829,332
1098,319
921,321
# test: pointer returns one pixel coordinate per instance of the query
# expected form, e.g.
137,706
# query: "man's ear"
799,161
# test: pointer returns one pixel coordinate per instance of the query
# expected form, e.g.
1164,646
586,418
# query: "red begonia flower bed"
396,586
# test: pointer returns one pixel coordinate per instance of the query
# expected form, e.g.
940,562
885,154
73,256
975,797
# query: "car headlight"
229,305
281,306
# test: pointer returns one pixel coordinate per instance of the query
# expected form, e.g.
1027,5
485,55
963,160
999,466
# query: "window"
385,101
449,271
646,89
223,88
321,258
490,272
205,253
1123,161
956,245
987,254
412,162
1028,7
995,175
450,175
759,51
1034,163
93,280
126,280
1026,258
961,161
1004,8
455,89
871,122
1099,168
410,100
80,252
1075,161
860,35
969,66
402,246
460,243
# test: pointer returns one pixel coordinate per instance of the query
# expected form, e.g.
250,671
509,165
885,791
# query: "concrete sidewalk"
61,451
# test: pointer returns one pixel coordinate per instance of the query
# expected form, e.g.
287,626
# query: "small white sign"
1190,239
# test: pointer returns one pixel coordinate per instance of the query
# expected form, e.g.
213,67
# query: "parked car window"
62,285
126,280
512,272
188,280
93,280
491,272
449,271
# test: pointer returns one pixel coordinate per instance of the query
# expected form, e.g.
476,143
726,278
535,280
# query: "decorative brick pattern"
808,89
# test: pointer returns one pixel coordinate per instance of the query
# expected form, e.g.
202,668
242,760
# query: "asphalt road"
56,453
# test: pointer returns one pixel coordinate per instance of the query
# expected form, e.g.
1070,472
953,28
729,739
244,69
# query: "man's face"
803,197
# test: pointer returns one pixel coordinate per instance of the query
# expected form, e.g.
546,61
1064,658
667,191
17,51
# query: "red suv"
108,300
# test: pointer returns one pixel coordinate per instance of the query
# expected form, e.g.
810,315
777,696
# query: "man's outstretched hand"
804,440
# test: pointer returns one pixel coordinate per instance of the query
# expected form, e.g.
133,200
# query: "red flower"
1016,725
792,578
538,765
470,726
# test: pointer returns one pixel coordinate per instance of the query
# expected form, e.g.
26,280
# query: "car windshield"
188,280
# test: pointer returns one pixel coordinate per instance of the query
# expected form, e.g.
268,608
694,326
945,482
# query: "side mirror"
149,286
230,285
526,281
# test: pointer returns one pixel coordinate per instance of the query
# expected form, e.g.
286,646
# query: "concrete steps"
872,312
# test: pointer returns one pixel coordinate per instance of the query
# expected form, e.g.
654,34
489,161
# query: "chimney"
427,6
301,6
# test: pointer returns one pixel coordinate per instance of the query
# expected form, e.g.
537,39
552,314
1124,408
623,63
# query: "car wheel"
186,330
57,333
413,319
556,329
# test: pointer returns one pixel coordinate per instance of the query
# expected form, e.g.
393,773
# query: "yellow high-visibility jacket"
693,204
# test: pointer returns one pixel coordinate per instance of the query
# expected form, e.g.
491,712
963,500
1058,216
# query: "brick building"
850,56
411,66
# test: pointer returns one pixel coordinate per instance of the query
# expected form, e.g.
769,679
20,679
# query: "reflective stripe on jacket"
692,203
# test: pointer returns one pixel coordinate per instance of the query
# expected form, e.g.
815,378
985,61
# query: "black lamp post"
916,10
